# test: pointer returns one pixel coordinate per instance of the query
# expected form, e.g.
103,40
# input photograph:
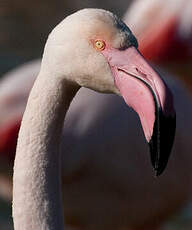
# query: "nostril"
140,72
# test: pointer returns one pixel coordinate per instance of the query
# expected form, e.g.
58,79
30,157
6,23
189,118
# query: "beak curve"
144,91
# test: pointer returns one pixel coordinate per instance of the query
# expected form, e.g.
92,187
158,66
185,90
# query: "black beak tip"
162,141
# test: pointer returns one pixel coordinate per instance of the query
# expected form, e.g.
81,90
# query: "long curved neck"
36,181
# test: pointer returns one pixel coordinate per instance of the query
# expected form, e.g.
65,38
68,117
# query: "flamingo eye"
99,44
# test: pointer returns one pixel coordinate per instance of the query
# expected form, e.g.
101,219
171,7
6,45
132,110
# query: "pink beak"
144,91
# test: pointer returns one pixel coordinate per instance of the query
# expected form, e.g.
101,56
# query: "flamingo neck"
36,181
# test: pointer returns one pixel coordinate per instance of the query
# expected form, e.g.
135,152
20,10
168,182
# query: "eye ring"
99,44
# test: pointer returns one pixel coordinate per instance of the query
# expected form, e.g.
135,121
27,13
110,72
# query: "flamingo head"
95,49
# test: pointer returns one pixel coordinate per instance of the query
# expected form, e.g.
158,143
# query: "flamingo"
87,100
90,48
164,32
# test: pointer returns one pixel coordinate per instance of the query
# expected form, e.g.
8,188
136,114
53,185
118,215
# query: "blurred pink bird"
164,32
163,28
104,178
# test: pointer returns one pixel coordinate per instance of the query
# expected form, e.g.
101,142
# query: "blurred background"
164,31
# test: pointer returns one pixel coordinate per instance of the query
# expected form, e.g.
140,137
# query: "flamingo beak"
144,91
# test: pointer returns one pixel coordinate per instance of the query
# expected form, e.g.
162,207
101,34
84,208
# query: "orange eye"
99,44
